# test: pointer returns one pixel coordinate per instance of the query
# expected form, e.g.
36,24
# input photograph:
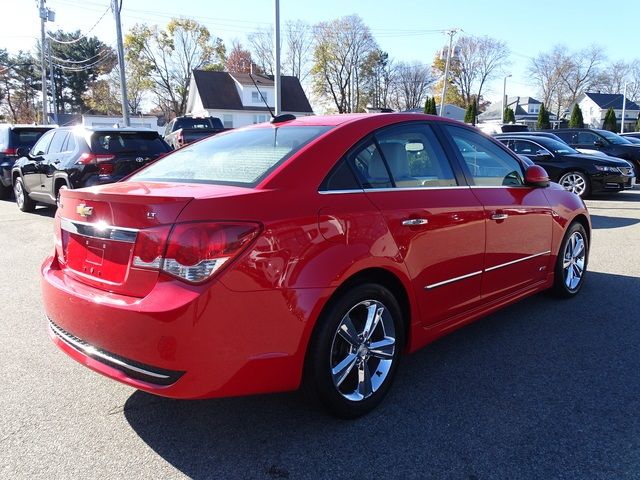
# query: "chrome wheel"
363,350
573,262
574,182
18,192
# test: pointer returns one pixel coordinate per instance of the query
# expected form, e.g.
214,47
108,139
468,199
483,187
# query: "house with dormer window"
238,101
594,107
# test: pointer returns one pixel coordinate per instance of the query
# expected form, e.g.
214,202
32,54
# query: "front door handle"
499,216
412,222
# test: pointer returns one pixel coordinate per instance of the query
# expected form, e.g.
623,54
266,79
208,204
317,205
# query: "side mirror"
536,176
543,154
22,151
599,143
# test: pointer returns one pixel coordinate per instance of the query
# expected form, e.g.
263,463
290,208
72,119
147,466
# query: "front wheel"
355,351
575,182
571,265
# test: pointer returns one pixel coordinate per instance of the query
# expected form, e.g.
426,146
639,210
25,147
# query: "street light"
504,98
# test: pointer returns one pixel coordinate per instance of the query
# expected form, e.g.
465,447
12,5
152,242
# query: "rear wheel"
355,351
571,265
575,182
23,201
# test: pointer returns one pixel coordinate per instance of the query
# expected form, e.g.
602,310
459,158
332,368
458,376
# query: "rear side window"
141,143
241,157
488,164
58,141
25,137
569,137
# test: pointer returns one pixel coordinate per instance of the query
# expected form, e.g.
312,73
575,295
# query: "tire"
347,370
571,265
23,201
576,182
5,192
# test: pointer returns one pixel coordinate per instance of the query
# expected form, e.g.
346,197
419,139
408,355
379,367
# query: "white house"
234,98
526,110
594,107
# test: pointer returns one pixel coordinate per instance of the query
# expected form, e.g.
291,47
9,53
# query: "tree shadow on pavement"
546,388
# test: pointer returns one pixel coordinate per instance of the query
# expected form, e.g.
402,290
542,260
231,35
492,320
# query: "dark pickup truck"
183,130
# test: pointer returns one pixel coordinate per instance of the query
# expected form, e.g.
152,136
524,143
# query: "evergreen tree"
431,106
638,124
509,115
472,113
576,120
610,122
543,118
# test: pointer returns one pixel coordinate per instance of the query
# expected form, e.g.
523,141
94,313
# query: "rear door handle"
499,216
412,222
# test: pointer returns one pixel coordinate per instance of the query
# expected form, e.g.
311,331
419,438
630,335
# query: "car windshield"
613,138
241,157
558,148
140,143
197,123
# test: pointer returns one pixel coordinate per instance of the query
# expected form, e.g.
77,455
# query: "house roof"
218,91
611,100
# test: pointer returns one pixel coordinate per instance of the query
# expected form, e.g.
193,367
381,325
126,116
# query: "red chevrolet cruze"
314,251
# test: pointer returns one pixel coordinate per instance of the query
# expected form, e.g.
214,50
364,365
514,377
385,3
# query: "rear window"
198,123
25,137
140,143
241,157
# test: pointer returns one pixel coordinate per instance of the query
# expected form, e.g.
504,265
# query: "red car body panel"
246,331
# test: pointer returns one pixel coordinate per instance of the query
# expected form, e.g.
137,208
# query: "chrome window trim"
339,192
501,186
392,189
495,267
101,232
92,352
451,280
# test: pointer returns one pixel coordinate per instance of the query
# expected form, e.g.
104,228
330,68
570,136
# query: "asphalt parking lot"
544,389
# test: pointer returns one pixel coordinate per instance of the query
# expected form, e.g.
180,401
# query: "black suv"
76,157
602,140
13,137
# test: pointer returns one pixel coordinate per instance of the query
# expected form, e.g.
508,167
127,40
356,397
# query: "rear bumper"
180,341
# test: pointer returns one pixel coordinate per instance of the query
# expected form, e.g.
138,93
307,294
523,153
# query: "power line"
82,36
102,52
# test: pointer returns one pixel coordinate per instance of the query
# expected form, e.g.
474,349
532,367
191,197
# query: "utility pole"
43,18
504,98
624,104
116,6
451,34
54,106
276,48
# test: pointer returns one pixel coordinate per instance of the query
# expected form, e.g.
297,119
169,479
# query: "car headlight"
606,168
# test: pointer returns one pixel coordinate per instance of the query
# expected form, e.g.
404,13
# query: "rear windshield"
140,143
241,157
25,137
198,123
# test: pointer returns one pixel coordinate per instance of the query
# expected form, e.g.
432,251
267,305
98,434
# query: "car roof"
12,126
344,118
109,129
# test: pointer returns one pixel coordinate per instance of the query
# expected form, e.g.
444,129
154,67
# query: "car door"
51,162
436,221
518,218
31,169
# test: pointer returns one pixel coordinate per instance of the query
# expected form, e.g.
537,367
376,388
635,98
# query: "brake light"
194,251
93,158
11,151
105,168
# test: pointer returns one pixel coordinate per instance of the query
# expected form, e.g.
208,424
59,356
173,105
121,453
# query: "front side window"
587,138
241,157
487,163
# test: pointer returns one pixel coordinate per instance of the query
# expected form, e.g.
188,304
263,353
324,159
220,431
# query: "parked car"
631,135
579,173
493,128
184,130
533,134
316,251
75,157
13,137
632,138
602,140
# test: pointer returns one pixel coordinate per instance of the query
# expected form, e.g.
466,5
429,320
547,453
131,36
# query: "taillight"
105,168
89,158
194,251
10,151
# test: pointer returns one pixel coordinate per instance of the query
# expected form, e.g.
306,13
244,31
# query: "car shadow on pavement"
619,197
546,388
600,221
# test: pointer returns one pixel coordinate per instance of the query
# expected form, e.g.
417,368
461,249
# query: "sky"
409,30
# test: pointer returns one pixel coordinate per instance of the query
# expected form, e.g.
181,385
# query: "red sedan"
315,251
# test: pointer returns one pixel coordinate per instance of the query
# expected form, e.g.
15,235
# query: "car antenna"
274,119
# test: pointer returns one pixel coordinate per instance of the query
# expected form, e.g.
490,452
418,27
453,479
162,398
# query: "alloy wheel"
574,182
18,192
574,260
363,350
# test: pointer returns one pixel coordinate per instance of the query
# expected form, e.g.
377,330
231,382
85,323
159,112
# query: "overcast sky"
409,30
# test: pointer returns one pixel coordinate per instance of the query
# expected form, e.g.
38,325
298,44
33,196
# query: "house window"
255,97
259,119
227,120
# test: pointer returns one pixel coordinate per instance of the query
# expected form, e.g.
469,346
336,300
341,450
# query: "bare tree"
582,72
341,47
299,48
261,46
411,84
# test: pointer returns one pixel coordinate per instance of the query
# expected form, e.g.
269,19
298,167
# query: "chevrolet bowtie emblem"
83,210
